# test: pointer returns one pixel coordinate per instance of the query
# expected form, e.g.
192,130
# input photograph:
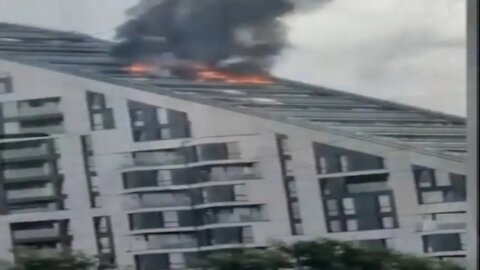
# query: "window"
443,181
332,208
97,121
432,197
170,219
288,166
97,101
292,188
352,225
443,242
138,118
101,224
348,206
463,241
162,116
165,133
247,234
295,210
11,128
284,145
139,136
164,178
335,226
87,140
389,243
425,176
5,83
323,165
240,192
384,203
298,228
90,163
104,245
233,150
344,163
343,160
387,222
177,261
3,88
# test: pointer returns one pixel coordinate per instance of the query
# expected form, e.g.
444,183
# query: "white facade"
256,138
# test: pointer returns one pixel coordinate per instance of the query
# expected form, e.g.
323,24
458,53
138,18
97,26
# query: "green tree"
249,259
322,255
36,260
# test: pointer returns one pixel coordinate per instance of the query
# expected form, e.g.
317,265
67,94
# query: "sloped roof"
295,103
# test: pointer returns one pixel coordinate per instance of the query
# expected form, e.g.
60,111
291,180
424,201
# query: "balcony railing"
435,226
164,242
136,203
233,218
228,176
25,111
30,193
24,152
36,233
153,160
27,172
51,129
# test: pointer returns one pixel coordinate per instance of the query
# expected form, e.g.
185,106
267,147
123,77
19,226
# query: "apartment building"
151,172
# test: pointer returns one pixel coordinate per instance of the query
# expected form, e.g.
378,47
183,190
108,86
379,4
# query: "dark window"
331,159
151,123
358,203
444,242
287,170
151,220
105,244
58,120
101,117
212,152
152,262
443,189
5,83
373,243
225,236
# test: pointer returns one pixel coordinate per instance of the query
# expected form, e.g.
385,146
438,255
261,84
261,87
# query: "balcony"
234,217
23,109
20,209
163,241
437,226
151,200
22,153
209,177
36,233
157,159
46,191
26,173
50,129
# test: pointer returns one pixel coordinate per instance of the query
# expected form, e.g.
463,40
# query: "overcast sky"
410,51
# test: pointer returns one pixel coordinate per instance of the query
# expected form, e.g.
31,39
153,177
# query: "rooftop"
308,106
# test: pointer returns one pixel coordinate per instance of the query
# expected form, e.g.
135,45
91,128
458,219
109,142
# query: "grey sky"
411,51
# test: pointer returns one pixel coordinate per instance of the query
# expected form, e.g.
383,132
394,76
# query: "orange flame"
216,75
139,68
204,73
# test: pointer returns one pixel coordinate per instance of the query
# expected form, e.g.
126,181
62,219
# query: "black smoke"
245,34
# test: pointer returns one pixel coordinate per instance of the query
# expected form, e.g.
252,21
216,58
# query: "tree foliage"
307,255
36,260
322,255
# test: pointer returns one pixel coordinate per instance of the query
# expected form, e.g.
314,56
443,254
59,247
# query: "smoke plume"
243,35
